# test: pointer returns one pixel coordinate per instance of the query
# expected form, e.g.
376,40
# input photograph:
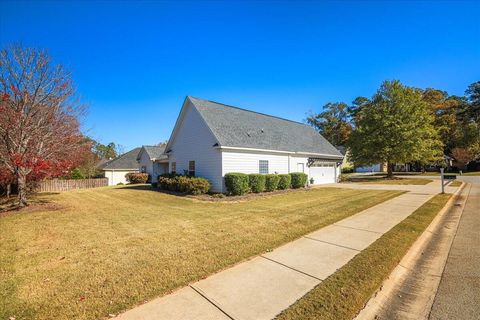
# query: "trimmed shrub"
236,183
136,177
199,185
284,182
256,182
299,179
183,184
271,182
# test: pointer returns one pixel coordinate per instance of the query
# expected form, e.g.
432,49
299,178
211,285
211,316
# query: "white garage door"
322,173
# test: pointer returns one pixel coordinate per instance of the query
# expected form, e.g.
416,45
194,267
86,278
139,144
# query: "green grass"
455,183
471,173
89,253
398,181
344,294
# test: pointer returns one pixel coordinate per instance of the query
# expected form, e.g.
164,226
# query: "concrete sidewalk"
264,286
458,295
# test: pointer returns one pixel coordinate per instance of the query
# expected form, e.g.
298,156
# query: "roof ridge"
124,154
121,156
247,110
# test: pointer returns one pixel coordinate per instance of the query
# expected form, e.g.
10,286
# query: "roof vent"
262,130
248,133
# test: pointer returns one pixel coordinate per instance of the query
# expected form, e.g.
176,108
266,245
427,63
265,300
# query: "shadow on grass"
141,187
148,187
10,205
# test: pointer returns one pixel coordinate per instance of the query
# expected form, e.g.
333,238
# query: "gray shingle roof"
342,149
127,161
155,152
236,127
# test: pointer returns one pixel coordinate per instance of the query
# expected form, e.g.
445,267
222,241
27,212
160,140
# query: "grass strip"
398,181
455,183
345,293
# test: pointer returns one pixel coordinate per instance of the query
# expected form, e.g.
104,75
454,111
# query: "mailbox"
450,177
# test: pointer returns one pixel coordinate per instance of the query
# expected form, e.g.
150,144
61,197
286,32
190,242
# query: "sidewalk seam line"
211,302
291,268
338,225
333,244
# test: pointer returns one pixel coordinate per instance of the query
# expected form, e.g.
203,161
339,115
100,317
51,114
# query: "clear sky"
134,62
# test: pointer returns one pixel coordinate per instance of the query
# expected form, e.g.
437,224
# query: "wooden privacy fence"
55,185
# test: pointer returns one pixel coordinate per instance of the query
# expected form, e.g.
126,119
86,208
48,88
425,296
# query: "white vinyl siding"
248,162
296,163
154,169
193,141
115,177
145,161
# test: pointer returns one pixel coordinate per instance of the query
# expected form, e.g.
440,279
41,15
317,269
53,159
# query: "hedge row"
136,177
299,180
184,184
241,183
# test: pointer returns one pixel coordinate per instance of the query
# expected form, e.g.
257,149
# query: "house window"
174,167
263,166
143,169
191,168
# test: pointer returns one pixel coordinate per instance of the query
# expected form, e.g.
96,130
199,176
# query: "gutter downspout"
288,163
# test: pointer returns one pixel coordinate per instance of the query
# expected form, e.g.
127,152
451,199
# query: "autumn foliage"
39,130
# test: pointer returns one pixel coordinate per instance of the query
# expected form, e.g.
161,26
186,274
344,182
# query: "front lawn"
90,253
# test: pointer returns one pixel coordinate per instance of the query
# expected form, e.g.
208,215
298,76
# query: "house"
152,160
372,168
116,169
211,139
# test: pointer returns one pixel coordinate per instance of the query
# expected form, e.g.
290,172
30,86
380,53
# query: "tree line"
402,124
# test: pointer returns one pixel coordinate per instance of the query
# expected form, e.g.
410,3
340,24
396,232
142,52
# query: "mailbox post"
443,180
446,177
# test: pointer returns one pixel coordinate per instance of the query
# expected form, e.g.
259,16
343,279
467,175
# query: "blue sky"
134,62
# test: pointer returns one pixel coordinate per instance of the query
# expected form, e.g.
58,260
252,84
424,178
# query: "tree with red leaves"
39,129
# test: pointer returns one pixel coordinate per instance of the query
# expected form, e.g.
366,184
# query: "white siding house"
192,140
152,160
211,139
115,170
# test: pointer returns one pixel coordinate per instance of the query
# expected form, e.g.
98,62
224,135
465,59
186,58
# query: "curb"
421,308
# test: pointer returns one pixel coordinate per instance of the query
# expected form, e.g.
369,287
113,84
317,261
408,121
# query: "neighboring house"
211,139
372,168
116,169
152,160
